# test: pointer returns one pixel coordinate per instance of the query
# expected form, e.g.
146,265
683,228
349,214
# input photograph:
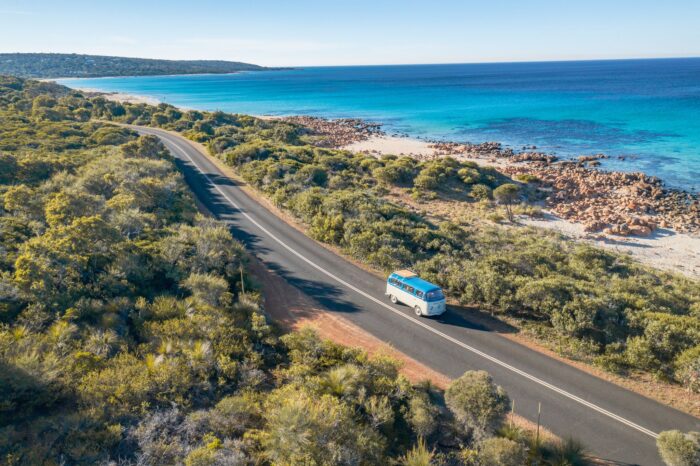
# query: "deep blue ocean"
647,110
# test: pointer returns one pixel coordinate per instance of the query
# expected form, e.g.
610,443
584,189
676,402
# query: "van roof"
405,273
418,283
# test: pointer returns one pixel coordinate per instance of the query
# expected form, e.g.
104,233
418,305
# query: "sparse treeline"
124,337
598,305
64,65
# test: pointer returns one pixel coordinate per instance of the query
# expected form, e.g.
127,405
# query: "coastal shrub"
687,368
469,175
419,455
527,178
422,415
397,171
679,449
663,337
477,403
498,451
481,192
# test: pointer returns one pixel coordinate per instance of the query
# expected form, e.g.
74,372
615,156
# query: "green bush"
481,192
687,368
477,403
679,449
501,452
527,178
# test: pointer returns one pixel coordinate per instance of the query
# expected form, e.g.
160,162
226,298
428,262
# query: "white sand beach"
121,96
385,144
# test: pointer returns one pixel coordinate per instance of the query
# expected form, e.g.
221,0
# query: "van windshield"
435,295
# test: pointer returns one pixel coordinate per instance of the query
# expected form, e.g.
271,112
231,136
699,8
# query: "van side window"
409,289
394,281
419,294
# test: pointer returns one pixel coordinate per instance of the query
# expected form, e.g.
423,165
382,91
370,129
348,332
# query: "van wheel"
393,299
418,311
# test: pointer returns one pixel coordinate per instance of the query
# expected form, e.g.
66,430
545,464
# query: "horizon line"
504,61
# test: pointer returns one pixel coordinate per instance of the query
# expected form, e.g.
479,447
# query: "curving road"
612,422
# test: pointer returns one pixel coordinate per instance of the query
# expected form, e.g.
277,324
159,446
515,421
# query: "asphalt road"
612,422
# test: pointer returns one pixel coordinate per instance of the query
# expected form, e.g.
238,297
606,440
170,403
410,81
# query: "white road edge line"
412,319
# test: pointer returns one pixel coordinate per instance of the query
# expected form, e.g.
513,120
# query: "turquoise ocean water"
647,110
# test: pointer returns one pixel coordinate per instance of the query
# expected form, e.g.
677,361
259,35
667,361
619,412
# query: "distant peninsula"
64,65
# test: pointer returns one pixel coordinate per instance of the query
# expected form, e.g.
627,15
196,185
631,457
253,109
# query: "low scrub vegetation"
124,333
606,307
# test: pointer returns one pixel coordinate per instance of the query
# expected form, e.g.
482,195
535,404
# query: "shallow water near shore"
645,110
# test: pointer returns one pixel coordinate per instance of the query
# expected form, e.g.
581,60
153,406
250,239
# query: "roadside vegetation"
595,305
126,338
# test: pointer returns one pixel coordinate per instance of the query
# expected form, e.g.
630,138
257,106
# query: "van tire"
393,299
417,310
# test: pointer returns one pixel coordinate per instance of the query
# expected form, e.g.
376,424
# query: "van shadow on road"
474,319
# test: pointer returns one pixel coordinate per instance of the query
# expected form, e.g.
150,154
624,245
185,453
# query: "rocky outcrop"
615,203
337,133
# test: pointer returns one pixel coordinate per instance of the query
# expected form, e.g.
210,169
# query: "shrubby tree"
477,403
507,194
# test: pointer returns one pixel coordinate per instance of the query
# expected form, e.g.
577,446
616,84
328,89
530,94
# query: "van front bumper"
435,309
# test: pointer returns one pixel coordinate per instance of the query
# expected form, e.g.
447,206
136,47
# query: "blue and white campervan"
424,297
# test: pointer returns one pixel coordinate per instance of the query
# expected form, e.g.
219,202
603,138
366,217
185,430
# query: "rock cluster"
590,160
614,202
337,133
486,149
538,158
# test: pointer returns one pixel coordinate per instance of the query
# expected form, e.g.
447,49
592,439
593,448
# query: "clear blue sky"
329,32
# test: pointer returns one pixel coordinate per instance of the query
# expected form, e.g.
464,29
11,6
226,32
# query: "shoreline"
662,245
122,97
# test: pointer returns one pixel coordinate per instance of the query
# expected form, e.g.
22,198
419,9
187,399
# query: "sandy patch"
119,96
397,145
663,249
